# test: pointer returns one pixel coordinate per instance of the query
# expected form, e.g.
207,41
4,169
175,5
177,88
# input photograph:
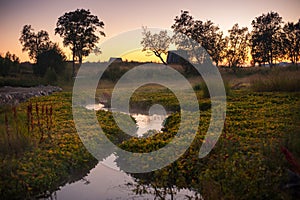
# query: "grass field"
40,150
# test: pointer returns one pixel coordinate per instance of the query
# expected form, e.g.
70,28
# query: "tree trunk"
80,60
159,56
73,62
162,60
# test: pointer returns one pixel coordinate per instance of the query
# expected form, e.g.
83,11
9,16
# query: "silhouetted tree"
34,43
291,41
219,43
4,68
52,59
205,33
9,63
157,43
236,52
266,38
78,29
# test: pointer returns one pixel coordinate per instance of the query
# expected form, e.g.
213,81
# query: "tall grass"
21,131
205,92
14,135
277,80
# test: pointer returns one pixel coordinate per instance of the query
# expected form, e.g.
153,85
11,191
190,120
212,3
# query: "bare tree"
157,43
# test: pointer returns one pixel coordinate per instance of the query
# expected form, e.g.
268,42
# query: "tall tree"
266,38
205,33
219,43
157,43
236,52
291,41
78,29
34,43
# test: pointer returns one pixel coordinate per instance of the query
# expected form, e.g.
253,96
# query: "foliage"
55,152
78,30
50,76
205,92
114,72
9,64
21,82
246,163
269,42
34,43
205,33
266,41
291,41
52,59
236,52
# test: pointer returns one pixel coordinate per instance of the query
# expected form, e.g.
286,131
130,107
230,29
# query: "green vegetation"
269,41
246,163
40,149
9,64
26,78
80,31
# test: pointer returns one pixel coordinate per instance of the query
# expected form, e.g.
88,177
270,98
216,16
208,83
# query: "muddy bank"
15,95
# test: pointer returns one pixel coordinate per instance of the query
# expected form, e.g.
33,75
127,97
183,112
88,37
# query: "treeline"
269,42
77,28
48,57
10,63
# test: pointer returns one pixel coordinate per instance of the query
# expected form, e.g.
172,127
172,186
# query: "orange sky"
122,16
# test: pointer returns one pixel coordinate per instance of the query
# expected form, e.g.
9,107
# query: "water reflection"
143,121
146,123
104,182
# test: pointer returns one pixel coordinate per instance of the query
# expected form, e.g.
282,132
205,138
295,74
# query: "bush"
50,76
197,87
52,58
205,93
21,82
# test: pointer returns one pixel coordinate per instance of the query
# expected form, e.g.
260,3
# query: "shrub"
197,87
205,92
50,76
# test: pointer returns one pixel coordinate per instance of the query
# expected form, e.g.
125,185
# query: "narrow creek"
104,182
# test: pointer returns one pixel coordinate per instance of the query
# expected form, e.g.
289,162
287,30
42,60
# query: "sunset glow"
140,56
120,17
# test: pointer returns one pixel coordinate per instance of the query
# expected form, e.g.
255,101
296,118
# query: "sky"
123,16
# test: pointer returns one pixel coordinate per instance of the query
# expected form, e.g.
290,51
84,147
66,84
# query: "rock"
15,95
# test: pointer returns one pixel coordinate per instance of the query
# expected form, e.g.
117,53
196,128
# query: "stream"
104,182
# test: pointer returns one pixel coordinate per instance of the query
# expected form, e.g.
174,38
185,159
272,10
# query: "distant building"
283,64
177,57
115,60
